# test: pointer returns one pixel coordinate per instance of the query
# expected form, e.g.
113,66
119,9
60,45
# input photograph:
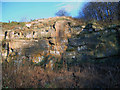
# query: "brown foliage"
83,76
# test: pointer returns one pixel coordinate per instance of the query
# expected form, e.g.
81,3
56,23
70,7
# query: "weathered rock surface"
46,41
37,40
94,45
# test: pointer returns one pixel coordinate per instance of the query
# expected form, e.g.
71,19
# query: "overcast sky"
25,11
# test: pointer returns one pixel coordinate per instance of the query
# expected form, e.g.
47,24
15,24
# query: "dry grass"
83,76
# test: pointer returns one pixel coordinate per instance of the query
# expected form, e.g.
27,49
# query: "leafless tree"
62,12
102,11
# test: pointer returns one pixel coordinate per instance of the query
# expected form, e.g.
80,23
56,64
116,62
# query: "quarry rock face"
48,41
94,45
62,28
37,41
62,33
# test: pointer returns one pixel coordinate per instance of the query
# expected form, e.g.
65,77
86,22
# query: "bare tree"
62,12
102,11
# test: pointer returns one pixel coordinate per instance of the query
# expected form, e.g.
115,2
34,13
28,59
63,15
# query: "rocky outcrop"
91,45
47,41
38,43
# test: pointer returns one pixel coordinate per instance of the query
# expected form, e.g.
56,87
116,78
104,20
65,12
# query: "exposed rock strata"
54,39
